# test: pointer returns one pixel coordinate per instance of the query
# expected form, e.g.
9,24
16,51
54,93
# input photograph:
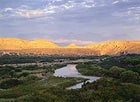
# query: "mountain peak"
115,47
16,43
72,45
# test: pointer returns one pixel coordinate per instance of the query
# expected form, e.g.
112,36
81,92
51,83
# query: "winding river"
71,71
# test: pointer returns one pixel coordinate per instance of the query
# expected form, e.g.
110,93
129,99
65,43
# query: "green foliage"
131,92
23,74
6,71
14,58
115,72
130,76
9,83
129,62
30,67
119,83
108,90
132,60
91,69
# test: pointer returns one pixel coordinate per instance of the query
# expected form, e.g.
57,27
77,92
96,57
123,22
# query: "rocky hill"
116,47
15,45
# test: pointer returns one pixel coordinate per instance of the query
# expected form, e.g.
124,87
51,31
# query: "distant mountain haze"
46,47
72,45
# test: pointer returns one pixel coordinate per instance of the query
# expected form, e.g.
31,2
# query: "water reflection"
67,71
71,71
72,67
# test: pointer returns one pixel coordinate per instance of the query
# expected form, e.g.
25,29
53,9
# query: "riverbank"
42,64
71,71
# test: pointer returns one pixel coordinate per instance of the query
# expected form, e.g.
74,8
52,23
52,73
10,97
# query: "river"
71,71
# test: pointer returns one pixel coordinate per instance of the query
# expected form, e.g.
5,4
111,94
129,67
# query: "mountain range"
16,45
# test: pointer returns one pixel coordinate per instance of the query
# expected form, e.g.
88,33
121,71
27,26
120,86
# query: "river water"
71,71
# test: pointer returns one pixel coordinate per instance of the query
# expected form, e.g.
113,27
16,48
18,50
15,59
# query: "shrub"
9,83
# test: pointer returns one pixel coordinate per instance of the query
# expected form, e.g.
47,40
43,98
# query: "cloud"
51,7
8,9
33,13
82,20
115,2
131,13
134,12
1,15
88,4
77,42
56,1
125,0
24,12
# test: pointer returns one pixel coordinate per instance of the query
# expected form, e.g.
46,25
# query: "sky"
70,21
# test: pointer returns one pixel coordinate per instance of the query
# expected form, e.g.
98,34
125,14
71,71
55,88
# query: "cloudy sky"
66,21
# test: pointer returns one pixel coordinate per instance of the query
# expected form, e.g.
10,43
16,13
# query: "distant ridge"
116,47
72,45
16,45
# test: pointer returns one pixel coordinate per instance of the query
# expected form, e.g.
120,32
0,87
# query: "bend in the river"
71,71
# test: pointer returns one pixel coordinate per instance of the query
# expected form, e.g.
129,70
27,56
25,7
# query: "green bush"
24,74
115,72
130,76
9,83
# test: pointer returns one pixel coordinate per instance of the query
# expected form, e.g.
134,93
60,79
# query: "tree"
130,76
9,83
115,72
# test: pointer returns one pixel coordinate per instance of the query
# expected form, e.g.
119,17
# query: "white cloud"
77,42
115,2
1,15
8,9
88,4
56,0
51,8
27,13
132,13
125,0
33,13
89,1
67,6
